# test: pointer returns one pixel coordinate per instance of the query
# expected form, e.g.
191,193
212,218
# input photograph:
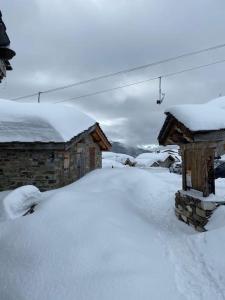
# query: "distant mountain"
118,147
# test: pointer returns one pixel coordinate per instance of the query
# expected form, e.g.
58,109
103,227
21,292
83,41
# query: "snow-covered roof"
39,122
148,159
154,155
198,117
119,157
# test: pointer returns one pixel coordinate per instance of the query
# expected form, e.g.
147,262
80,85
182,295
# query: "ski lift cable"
143,81
125,71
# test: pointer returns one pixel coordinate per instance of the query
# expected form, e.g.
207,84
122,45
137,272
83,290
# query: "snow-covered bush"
20,200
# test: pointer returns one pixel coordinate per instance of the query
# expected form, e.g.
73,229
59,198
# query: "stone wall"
193,211
78,159
46,166
20,167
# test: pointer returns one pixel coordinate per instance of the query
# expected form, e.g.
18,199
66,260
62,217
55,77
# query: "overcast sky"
63,41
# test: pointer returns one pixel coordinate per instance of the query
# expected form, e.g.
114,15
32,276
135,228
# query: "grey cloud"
59,42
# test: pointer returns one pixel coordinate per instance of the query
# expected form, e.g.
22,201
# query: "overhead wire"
142,81
125,71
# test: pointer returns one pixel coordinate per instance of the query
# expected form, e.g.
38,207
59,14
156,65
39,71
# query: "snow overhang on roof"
38,122
193,119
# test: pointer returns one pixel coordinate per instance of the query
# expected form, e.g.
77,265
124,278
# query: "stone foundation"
193,211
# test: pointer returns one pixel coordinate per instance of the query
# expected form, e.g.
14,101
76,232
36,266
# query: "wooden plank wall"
196,163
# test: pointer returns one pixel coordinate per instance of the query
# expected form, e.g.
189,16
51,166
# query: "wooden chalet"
198,149
199,130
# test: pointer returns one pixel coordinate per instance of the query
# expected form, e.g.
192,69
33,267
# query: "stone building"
47,145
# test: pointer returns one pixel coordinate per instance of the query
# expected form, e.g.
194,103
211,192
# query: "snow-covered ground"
119,157
115,160
111,235
111,163
146,160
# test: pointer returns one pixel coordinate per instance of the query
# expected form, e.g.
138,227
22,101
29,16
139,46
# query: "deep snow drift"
111,235
115,160
111,163
119,157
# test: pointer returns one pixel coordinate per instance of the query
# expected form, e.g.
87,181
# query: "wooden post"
184,185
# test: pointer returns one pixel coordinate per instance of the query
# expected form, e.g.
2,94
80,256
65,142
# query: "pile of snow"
41,122
19,201
117,239
222,157
146,160
218,219
110,163
118,157
196,117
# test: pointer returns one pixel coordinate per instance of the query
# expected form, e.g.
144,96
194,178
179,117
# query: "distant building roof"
148,159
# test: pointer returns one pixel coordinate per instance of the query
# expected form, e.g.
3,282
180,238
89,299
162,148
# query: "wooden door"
198,170
80,164
210,173
92,153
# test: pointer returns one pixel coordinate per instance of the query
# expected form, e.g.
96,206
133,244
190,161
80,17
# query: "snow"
143,160
222,157
119,157
111,235
41,122
197,117
18,202
148,159
199,195
110,163
115,160
174,152
218,219
218,102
